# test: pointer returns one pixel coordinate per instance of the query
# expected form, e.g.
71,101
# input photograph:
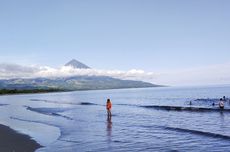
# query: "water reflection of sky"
61,123
109,128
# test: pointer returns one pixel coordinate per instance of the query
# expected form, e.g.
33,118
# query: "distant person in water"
221,104
224,98
108,107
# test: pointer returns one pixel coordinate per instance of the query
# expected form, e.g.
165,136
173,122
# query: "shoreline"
33,91
12,141
63,91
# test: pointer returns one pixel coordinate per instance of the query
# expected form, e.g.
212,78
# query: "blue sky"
152,35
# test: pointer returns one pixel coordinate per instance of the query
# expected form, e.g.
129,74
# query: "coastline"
12,141
61,91
33,91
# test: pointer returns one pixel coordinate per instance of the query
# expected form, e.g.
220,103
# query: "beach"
11,141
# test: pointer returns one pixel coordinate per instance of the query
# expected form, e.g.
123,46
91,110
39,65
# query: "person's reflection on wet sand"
109,128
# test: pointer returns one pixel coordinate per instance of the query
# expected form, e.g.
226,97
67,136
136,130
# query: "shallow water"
77,121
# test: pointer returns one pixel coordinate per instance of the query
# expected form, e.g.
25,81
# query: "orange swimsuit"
109,105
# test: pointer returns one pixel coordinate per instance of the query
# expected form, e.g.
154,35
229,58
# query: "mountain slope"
73,83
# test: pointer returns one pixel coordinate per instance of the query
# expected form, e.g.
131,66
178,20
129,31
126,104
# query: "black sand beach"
11,141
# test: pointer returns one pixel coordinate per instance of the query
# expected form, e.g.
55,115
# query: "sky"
174,42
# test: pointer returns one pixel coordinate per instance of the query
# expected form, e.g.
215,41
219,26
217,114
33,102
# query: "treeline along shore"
19,91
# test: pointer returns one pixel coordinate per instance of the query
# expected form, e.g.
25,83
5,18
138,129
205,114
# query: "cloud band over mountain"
8,71
216,74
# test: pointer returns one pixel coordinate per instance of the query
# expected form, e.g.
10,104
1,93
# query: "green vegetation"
16,91
76,83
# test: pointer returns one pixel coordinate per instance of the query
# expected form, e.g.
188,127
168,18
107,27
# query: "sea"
146,119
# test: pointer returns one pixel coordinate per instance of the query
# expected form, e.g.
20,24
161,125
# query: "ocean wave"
182,108
178,108
132,105
87,103
185,130
210,134
210,99
207,99
207,102
50,111
66,103
55,102
70,141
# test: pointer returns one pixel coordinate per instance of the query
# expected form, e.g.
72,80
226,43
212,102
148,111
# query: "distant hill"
76,64
73,83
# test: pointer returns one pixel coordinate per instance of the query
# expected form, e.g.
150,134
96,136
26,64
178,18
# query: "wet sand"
11,141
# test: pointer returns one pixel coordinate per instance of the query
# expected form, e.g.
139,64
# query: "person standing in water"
221,104
109,107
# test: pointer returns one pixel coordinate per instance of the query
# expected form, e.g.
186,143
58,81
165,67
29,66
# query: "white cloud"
17,71
209,75
70,71
216,74
14,70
